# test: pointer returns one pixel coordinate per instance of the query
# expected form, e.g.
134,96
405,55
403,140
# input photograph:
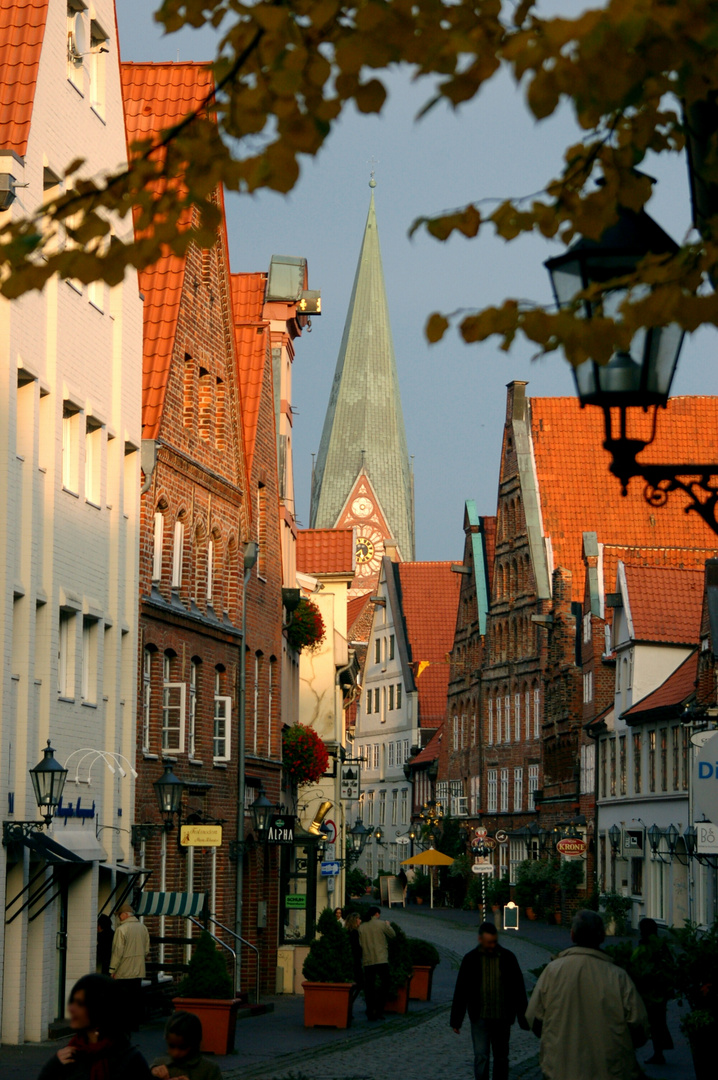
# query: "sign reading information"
281,830
201,836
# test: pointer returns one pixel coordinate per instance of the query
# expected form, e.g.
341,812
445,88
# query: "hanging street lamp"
48,780
262,811
357,838
168,790
639,377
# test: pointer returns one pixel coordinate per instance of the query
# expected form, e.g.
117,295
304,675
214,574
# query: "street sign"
201,836
571,846
502,837
332,834
705,779
329,869
403,840
295,900
482,868
706,837
281,830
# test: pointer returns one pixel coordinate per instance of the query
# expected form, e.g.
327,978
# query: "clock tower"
363,477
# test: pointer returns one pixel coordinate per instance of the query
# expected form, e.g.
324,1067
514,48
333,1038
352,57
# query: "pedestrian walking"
183,1060
652,965
587,1011
130,949
105,937
374,938
99,1049
351,925
490,987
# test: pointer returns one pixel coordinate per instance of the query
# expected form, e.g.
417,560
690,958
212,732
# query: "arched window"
173,706
206,404
222,717
147,695
158,540
215,578
178,551
194,666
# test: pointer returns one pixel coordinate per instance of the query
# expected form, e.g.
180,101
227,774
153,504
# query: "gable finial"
373,163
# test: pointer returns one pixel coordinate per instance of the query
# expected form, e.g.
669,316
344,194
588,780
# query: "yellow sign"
201,836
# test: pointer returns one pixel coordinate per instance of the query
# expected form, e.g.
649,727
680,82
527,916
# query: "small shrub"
207,975
570,876
615,908
400,962
330,957
498,891
423,953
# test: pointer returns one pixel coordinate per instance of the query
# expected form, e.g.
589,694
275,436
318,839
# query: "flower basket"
306,630
304,755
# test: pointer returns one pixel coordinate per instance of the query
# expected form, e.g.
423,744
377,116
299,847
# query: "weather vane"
373,162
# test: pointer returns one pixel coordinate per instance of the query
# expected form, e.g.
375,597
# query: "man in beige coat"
587,1011
374,938
130,949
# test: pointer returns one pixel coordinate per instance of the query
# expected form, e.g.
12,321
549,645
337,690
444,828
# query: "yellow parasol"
431,857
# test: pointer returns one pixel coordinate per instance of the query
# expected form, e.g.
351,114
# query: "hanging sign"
706,838
571,846
281,830
201,836
350,780
705,779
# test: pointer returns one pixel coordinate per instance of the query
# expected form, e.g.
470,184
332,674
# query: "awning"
48,849
127,879
83,843
170,903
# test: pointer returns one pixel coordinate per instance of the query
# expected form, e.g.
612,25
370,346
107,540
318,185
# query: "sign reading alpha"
281,830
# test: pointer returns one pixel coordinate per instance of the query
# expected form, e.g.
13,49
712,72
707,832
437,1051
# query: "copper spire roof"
364,424
22,28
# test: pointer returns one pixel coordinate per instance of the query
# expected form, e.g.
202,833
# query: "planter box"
400,1003
218,1018
420,984
327,1004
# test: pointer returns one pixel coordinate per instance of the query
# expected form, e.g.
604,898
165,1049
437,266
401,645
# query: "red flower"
304,755
306,630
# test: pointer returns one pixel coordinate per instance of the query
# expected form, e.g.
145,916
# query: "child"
183,1061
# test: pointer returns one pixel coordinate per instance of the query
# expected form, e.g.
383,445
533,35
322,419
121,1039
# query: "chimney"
390,550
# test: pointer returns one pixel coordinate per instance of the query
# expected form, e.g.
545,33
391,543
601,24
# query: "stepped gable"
577,492
429,602
22,29
252,351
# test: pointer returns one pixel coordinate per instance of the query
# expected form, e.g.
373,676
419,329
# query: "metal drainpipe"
239,879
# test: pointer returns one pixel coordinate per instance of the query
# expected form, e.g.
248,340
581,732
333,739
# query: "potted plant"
399,972
304,755
306,630
421,886
329,974
615,909
356,882
207,992
424,958
535,886
696,983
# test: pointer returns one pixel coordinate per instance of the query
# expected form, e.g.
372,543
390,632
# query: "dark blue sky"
453,394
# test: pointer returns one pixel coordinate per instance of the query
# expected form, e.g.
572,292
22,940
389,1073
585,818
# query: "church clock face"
369,550
362,507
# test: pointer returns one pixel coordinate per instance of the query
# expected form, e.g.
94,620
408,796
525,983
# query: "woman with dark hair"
99,1049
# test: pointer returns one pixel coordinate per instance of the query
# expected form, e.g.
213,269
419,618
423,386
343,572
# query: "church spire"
363,431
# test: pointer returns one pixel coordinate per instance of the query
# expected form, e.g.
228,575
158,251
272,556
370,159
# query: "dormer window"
99,48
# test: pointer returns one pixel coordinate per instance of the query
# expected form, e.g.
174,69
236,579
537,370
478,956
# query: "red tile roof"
665,604
358,628
578,494
22,29
157,96
325,551
430,600
679,686
250,334
431,750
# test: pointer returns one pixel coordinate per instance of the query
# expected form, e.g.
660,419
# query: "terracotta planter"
218,1018
400,1003
530,914
420,985
327,1004
420,899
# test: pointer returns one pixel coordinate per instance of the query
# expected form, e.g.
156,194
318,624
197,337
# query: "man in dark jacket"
491,987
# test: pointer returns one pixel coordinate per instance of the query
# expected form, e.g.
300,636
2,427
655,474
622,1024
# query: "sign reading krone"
571,846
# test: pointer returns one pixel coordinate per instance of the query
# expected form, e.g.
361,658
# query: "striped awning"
170,903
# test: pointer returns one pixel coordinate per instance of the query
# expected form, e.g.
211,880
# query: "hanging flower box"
304,755
307,629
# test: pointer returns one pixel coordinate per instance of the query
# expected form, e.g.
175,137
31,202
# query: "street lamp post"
48,779
639,377
251,552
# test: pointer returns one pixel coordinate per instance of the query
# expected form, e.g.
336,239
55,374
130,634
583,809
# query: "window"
377,650
491,791
527,714
391,755
504,804
462,739
406,749
369,697
399,758
255,711
587,627
684,759
621,764
262,531
89,660
370,808
70,446
390,704
517,717
391,646
210,569
588,686
456,733
602,768
536,712
192,718
398,695
93,460
177,553
173,710
146,697
507,719
270,705
159,527
66,655
377,705
651,761
376,755
588,769
518,789
612,765
676,753
533,785
382,807
222,721
404,806
491,722
206,404
498,720
664,759
394,807
474,789
637,776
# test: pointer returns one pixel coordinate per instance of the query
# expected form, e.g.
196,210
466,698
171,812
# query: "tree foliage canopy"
632,71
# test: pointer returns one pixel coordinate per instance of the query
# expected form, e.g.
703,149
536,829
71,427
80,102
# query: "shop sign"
705,779
706,838
350,780
201,836
295,900
281,830
571,846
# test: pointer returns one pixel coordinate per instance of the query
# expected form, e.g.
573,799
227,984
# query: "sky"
453,394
